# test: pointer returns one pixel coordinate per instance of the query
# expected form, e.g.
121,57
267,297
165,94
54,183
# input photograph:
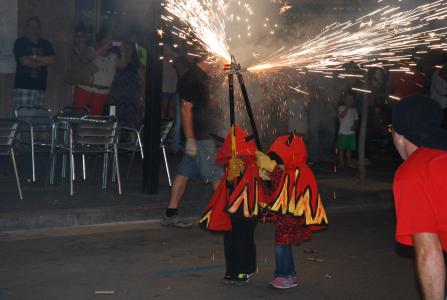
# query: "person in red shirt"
403,84
420,188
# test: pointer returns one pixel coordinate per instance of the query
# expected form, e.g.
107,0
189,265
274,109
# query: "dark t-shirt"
193,87
27,77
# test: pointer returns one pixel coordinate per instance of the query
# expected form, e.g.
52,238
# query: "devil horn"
290,139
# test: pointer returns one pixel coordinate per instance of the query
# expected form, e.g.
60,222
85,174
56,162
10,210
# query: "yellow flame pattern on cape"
205,219
242,199
299,205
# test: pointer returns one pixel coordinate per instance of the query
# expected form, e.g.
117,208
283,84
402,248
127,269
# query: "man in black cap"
420,188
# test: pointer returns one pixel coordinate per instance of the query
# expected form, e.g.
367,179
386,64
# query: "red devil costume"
238,197
294,200
234,206
293,196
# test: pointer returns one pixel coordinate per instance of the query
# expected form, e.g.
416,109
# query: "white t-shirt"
105,74
349,119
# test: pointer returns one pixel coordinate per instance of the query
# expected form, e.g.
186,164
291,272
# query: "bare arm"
28,61
37,61
430,265
46,60
187,119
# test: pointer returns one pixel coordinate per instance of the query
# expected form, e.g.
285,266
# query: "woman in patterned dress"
127,92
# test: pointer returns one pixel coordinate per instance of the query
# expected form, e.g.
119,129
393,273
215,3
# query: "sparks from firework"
377,39
296,89
206,21
160,33
216,25
284,8
381,38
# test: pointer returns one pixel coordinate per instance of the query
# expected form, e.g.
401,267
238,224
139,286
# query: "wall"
58,21
57,18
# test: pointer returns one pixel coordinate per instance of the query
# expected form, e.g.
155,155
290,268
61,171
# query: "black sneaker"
239,279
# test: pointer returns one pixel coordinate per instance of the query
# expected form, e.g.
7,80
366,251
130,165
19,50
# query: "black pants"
240,248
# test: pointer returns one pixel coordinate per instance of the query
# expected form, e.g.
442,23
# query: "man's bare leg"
172,218
178,189
430,265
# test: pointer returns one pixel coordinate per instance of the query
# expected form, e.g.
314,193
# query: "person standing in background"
403,84
169,84
79,43
96,94
128,89
439,91
170,105
81,68
346,141
135,38
33,56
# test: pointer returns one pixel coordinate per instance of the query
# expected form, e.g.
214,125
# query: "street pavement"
356,258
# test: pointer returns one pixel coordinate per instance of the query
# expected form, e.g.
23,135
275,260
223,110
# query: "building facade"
59,18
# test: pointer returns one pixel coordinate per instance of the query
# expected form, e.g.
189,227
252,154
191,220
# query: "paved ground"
146,261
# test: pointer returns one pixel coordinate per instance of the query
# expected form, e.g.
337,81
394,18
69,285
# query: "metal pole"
249,110
152,120
231,92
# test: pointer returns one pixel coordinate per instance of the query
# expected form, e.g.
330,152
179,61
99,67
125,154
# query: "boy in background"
346,140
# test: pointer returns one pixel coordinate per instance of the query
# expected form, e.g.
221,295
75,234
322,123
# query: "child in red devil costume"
234,206
294,200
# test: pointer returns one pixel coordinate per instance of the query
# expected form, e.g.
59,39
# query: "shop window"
94,15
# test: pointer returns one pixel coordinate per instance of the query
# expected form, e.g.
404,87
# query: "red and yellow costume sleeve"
237,196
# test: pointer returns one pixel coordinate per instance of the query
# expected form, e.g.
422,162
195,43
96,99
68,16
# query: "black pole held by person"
234,68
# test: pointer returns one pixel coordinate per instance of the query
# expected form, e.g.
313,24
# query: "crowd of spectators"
319,116
108,73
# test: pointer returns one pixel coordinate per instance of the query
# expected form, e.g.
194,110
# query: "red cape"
240,197
297,192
